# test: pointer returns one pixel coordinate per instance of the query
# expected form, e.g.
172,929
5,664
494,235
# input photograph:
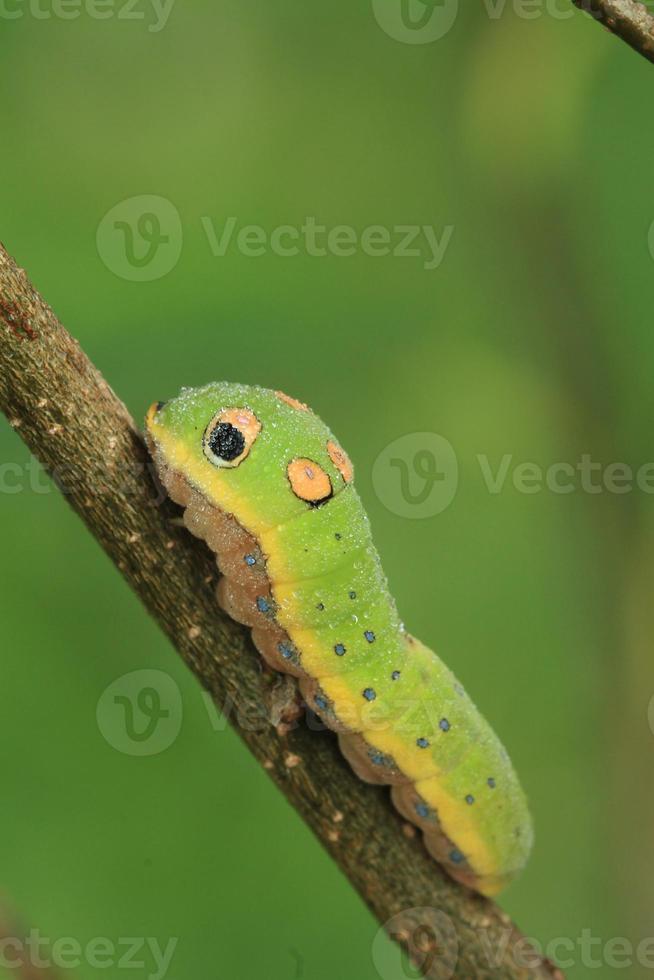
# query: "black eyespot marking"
226,441
229,437
160,405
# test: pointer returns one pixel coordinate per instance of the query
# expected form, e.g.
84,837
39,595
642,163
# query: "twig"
74,423
627,19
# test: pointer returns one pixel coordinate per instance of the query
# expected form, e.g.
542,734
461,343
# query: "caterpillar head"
255,453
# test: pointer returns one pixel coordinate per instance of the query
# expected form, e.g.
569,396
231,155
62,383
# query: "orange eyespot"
229,437
293,402
341,461
309,481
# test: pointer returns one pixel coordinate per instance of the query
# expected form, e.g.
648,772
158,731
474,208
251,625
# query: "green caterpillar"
267,486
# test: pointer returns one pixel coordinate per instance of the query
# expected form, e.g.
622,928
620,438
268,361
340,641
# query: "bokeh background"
526,131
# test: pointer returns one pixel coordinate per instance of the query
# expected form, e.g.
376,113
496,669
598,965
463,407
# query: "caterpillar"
268,487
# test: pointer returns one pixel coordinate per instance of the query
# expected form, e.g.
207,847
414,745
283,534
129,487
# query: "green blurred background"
530,136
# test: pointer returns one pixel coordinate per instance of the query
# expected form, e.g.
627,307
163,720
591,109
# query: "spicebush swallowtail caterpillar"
265,483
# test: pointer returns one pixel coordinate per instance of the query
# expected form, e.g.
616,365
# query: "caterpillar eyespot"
309,481
267,486
230,435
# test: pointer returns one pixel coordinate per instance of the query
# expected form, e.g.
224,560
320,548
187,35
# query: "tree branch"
627,19
74,423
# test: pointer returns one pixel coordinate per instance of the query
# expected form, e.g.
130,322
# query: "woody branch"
67,414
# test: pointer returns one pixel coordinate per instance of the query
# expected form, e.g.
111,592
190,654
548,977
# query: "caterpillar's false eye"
309,481
226,442
230,435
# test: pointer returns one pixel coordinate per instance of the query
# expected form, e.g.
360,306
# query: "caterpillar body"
266,484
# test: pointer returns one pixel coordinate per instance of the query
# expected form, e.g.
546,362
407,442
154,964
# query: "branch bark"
82,433
627,19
